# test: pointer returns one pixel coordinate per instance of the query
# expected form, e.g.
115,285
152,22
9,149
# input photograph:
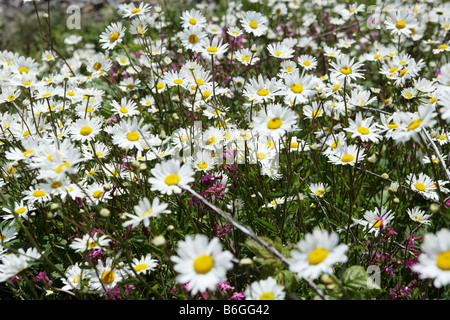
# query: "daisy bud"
136,164
393,187
326,279
126,184
105,213
372,158
331,286
170,228
159,241
313,147
434,207
175,116
54,206
123,216
158,9
246,262
49,215
167,60
162,135
396,200
253,49
107,186
26,102
434,134
385,176
142,167
180,51
45,16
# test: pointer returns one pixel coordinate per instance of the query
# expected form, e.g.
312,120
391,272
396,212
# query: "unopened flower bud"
105,213
246,262
143,167
158,9
385,176
159,241
396,200
372,158
434,207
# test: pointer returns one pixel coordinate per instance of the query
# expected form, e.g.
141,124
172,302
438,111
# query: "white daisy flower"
434,262
201,263
267,289
170,176
317,254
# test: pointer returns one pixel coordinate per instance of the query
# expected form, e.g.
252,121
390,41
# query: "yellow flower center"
278,53
274,123
97,66
261,155
24,70
193,38
140,267
393,126
211,140
253,24
61,167
39,193
347,158
178,81
400,24
11,98
133,136
420,186
85,131
315,113
212,49
26,153
108,277
306,63
172,179
123,110
289,69
160,86
113,37
403,72
149,212
363,130
137,10
206,94
263,92
192,21
56,184
346,70
415,124
203,264
443,260
202,165
320,192
442,137
20,210
267,296
377,56
336,88
317,256
294,145
442,46
296,88
97,194
377,224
